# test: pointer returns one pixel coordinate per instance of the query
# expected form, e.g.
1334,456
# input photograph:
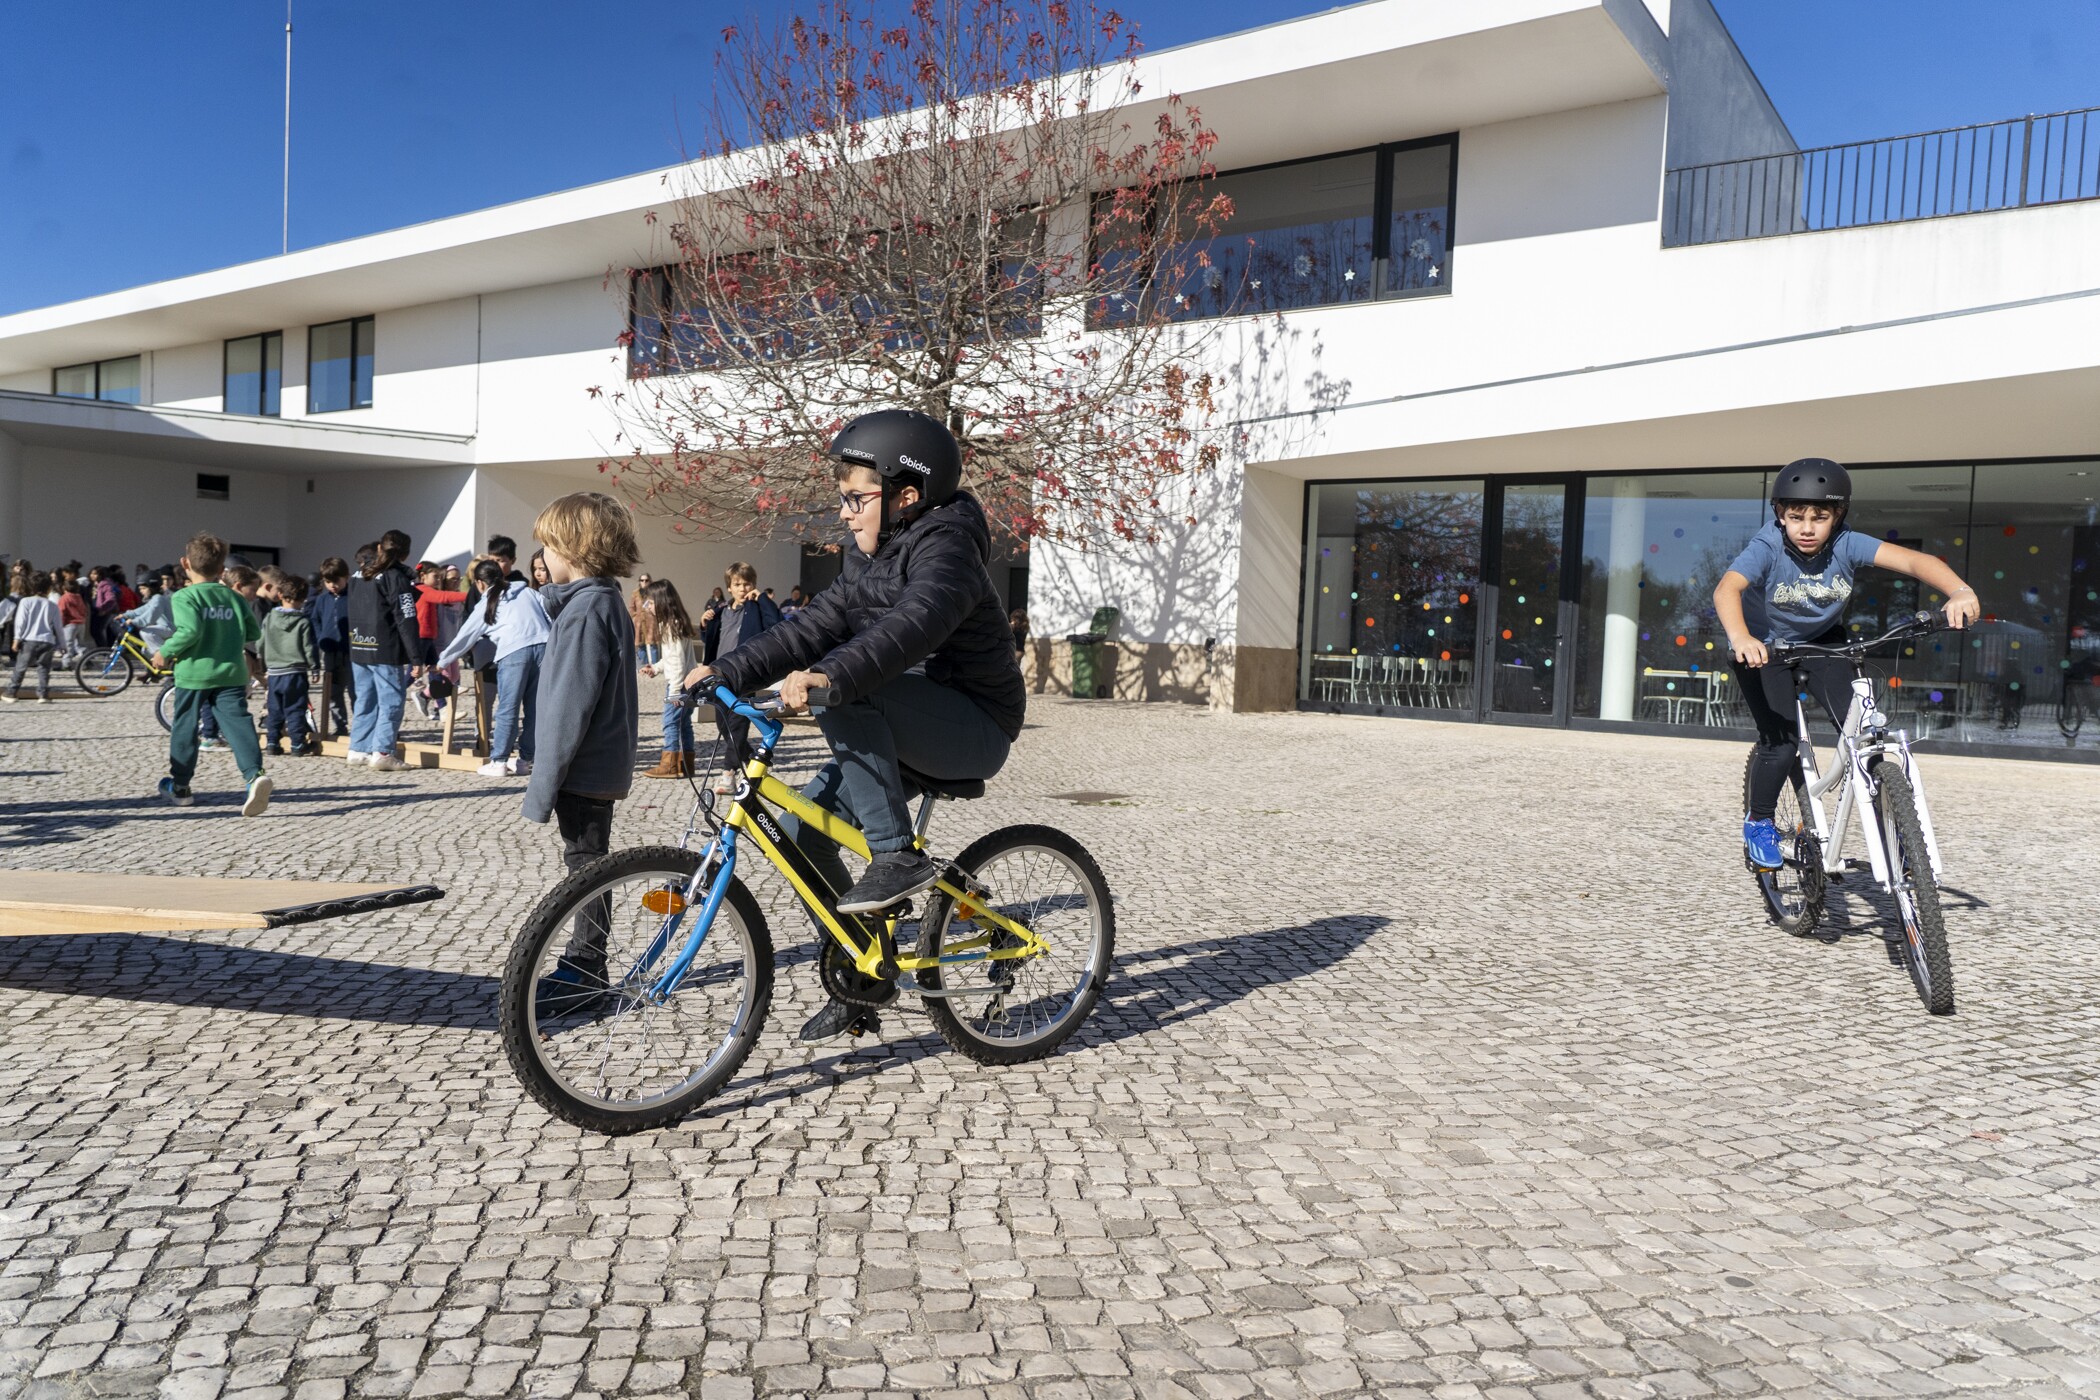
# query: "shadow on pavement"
1149,990
142,967
42,823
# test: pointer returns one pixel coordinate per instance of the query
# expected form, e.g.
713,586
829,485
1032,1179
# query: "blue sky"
140,140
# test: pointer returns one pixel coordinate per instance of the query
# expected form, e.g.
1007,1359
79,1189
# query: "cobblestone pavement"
1440,1060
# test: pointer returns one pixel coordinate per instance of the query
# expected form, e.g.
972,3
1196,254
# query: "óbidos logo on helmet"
906,459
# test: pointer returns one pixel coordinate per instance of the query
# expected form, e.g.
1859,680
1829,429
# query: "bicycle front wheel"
1917,891
584,1033
1793,894
103,671
1006,1011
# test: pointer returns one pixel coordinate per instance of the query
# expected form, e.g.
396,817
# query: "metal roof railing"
2013,164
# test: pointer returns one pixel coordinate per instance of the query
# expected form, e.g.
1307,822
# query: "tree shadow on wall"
1275,398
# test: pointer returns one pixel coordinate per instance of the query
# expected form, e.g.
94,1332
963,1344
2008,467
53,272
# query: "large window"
339,366
1391,594
255,374
1322,232
111,381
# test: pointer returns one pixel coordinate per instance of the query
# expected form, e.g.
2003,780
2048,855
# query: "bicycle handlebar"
1916,625
759,704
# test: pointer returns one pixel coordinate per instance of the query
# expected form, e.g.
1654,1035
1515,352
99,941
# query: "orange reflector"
664,902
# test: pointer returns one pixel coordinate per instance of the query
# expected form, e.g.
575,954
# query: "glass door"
1528,616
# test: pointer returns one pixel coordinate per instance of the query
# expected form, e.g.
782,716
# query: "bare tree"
957,214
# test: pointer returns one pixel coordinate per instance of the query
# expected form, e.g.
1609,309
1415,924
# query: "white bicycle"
1876,777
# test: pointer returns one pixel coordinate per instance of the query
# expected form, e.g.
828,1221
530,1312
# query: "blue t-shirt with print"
1787,603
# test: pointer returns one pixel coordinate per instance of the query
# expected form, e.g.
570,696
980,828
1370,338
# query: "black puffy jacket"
383,619
925,596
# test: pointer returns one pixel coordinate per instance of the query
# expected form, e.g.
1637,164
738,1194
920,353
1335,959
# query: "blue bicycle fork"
668,982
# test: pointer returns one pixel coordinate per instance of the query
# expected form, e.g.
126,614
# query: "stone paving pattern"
1441,1060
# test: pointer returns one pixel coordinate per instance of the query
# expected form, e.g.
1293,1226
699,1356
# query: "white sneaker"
258,796
520,767
387,762
359,758
495,768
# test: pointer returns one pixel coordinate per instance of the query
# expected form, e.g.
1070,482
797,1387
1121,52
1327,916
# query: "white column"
1620,683
11,528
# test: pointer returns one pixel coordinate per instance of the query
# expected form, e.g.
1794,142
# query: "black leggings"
1768,692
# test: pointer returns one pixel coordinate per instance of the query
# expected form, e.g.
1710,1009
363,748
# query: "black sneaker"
841,1018
891,877
568,989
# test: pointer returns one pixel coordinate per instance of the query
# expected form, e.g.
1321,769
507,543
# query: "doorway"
1530,597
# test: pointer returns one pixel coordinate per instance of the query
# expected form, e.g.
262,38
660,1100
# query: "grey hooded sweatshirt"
585,726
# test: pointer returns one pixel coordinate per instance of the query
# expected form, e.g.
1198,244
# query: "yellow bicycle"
639,984
110,670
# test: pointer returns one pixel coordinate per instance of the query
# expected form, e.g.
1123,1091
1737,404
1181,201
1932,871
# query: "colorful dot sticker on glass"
1465,598
1443,656
1678,534
1507,634
1680,639
2011,530
1655,549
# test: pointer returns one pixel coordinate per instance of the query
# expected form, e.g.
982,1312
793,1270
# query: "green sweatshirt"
212,624
288,643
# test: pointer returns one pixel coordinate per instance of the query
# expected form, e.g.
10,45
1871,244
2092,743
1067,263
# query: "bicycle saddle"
960,788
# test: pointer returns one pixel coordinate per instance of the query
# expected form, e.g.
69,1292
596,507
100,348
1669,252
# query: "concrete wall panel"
66,508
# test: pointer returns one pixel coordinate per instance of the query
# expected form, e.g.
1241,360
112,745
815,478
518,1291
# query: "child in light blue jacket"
512,619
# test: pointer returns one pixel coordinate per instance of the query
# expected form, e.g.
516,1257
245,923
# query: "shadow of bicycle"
1148,990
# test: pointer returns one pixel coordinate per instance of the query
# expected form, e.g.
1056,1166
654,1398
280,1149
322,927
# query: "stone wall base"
1240,679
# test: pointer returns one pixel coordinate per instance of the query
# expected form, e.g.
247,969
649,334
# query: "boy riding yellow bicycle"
913,640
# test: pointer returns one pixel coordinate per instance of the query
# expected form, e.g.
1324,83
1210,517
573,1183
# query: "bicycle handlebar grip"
826,696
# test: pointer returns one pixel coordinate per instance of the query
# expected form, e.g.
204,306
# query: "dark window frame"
226,370
353,322
1381,212
96,366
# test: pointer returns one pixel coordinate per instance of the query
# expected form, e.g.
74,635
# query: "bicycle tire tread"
943,1014
1895,792
546,921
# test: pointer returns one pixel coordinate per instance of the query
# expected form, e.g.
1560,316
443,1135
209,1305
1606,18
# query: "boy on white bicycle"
1791,584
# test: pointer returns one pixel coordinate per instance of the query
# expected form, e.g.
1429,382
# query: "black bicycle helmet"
905,448
1813,481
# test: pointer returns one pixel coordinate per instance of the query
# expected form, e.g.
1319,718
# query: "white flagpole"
286,245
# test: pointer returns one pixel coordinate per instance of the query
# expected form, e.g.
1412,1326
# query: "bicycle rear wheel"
1007,1011
581,1030
164,706
1793,894
103,671
1917,891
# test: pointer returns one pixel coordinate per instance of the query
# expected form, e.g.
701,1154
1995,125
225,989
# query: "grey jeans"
914,722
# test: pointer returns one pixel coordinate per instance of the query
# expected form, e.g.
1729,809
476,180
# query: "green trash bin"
1089,678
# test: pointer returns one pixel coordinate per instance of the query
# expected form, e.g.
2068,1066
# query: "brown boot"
671,765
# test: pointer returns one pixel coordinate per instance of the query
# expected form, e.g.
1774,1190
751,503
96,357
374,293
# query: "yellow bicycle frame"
748,817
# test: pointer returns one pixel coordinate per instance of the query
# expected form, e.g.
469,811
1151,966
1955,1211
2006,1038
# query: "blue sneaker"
179,796
1761,845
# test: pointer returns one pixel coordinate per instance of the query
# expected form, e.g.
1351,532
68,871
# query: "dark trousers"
1769,692
586,834
230,705
735,732
284,712
911,722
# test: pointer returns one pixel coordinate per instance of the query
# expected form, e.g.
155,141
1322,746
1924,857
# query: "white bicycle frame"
1865,736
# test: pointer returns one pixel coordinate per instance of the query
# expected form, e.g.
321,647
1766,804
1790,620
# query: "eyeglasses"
854,502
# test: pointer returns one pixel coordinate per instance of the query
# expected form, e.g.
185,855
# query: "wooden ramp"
66,901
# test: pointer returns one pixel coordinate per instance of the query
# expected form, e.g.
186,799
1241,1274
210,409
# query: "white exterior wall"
67,508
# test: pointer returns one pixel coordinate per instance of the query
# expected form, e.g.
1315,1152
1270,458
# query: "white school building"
1527,301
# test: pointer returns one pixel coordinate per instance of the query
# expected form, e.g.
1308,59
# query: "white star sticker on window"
1256,283
1433,271
1348,274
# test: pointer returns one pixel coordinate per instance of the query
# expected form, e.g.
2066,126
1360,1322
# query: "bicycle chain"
847,983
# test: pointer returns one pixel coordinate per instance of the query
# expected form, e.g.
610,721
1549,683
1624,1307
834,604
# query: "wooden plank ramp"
69,901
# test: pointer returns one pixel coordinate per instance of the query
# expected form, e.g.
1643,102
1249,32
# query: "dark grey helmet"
905,448
1813,481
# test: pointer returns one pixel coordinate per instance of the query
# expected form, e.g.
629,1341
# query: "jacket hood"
556,596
